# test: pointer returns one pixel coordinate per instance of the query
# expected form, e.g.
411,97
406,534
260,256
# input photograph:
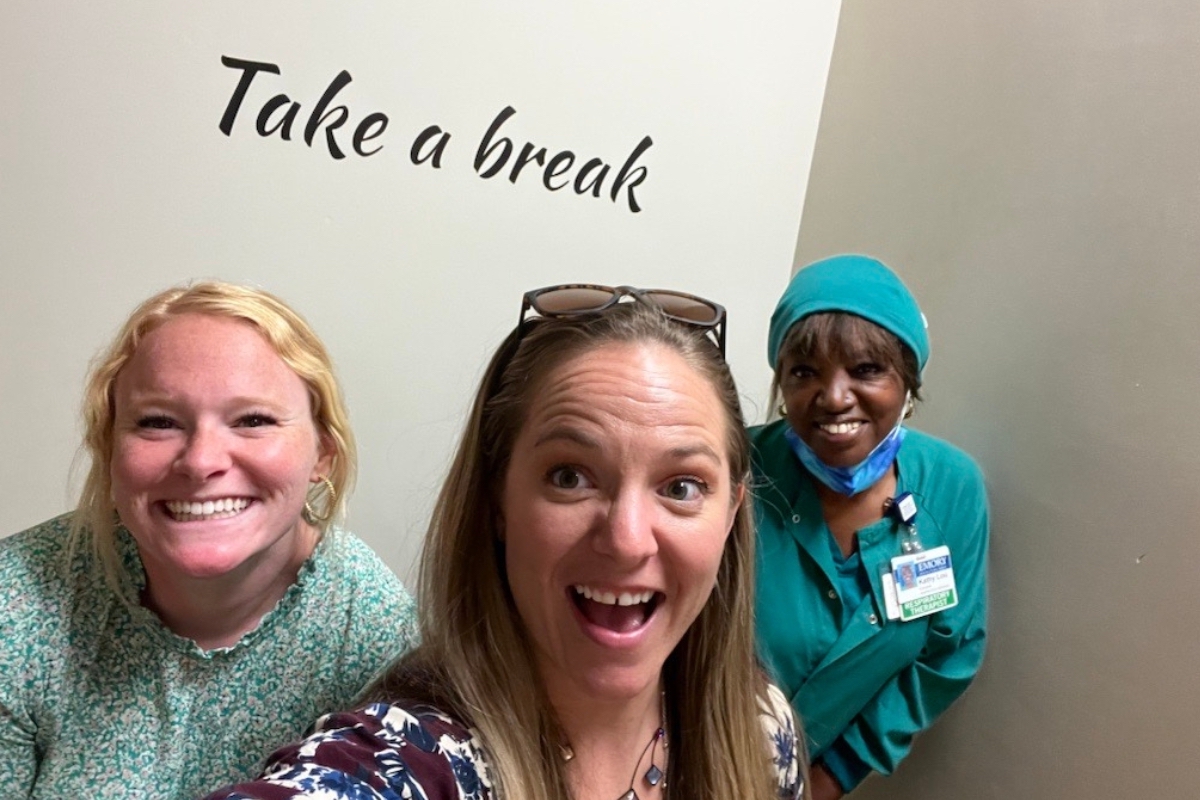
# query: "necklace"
653,776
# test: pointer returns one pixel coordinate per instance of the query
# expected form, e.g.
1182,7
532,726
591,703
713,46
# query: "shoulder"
776,472
352,559
779,725
934,459
350,562
766,439
34,573
383,749
34,551
38,608
940,451
365,597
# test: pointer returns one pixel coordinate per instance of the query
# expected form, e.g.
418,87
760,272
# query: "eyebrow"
138,401
687,451
567,433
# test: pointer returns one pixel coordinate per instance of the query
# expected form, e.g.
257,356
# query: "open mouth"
221,508
620,612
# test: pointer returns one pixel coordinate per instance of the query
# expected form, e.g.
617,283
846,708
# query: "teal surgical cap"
855,285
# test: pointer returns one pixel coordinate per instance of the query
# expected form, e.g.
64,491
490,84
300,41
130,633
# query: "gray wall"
1032,170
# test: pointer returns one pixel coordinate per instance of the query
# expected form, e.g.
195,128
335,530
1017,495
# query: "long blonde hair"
95,519
474,644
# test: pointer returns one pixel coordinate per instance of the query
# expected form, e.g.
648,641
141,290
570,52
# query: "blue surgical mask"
850,480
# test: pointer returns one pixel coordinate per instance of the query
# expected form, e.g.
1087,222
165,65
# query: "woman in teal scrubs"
849,502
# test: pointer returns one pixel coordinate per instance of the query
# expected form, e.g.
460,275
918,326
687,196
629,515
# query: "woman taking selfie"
586,584
199,607
871,607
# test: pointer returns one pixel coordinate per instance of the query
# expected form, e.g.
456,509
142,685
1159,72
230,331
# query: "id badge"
924,583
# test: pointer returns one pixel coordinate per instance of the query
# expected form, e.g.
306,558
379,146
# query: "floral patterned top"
99,699
391,752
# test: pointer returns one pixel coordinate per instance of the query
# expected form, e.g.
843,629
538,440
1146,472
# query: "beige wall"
116,181
1033,170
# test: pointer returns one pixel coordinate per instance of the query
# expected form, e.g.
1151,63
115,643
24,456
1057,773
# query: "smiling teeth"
841,427
613,599
184,511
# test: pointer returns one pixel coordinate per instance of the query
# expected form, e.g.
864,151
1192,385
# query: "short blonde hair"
289,335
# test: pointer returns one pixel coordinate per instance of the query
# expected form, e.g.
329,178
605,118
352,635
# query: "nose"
626,533
204,455
837,392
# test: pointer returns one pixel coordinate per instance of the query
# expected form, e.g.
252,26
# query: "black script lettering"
634,176
285,124
566,158
439,147
319,115
484,152
363,132
525,158
597,182
249,70
331,117
494,151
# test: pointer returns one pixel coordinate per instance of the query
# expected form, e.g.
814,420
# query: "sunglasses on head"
581,299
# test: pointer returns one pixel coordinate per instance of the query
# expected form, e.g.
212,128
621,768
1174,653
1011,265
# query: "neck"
217,612
845,516
610,743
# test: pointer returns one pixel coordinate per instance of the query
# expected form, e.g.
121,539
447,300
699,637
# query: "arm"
382,616
28,565
377,752
18,758
783,745
882,733
369,618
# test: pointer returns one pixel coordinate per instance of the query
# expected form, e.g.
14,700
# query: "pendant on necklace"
653,775
630,795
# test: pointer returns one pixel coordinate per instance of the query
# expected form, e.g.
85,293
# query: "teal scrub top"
859,682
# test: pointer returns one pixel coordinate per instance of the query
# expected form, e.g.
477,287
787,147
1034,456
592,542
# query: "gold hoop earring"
909,407
310,514
782,410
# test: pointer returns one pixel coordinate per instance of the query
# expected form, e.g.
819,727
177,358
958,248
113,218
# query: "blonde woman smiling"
199,607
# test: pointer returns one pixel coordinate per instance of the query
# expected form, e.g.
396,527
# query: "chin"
842,459
207,565
619,683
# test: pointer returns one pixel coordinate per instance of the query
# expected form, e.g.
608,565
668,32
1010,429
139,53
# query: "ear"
325,454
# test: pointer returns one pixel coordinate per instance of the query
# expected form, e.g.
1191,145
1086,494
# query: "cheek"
289,464
796,402
136,462
721,540
528,543
528,566
699,557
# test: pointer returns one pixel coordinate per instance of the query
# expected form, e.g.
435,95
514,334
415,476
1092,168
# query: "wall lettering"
332,121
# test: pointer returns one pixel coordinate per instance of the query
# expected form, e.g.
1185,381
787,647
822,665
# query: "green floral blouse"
99,699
